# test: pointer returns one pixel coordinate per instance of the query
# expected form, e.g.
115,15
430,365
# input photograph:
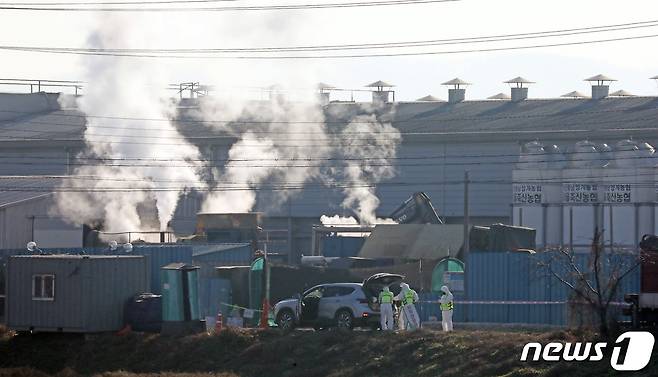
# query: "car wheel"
344,320
285,320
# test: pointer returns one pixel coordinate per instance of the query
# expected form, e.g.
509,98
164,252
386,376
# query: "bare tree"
598,286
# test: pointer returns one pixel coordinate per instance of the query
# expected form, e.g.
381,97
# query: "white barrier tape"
520,303
239,307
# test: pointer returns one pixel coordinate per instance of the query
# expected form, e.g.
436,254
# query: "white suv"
345,305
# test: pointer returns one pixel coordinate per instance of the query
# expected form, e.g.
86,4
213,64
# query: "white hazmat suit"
386,309
409,318
447,304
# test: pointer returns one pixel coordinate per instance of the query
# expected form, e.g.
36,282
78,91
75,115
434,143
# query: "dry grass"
300,354
31,372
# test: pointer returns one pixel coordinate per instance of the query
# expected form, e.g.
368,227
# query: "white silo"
581,196
628,194
536,192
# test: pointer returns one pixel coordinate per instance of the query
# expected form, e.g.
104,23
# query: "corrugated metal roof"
413,241
509,121
47,125
199,250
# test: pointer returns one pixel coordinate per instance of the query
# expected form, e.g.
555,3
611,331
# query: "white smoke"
337,220
126,111
280,145
367,162
279,150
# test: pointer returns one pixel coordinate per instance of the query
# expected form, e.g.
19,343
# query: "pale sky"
556,70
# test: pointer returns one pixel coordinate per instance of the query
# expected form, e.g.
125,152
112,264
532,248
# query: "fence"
512,287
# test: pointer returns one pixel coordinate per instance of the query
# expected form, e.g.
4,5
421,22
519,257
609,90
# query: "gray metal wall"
90,292
16,222
29,220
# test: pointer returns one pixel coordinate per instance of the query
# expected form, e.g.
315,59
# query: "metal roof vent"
456,93
500,96
519,92
429,98
381,92
574,94
323,93
600,85
621,93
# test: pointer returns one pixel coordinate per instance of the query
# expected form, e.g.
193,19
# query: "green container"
180,293
445,265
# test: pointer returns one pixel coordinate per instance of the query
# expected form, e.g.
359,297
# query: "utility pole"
264,318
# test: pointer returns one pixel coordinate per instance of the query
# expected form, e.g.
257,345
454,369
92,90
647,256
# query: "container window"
43,287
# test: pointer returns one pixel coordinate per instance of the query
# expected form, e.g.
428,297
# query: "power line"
21,4
550,158
245,186
357,4
379,161
352,56
382,45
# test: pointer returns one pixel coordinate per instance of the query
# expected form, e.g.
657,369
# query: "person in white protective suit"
447,305
386,308
408,318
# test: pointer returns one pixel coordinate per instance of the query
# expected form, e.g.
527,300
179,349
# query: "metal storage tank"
537,194
72,293
628,194
581,201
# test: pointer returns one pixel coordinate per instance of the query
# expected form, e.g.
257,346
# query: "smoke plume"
367,162
274,157
145,162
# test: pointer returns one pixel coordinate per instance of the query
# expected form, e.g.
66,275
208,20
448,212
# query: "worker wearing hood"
386,308
447,306
409,318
